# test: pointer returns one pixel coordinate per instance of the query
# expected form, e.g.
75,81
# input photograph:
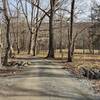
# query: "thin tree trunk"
61,35
18,49
83,44
35,36
28,24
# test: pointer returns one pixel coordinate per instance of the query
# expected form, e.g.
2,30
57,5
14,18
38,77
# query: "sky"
83,5
86,7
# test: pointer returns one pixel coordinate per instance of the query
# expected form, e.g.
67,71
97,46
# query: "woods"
32,28
46,46
33,16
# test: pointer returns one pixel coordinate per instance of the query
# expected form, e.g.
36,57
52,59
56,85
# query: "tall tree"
25,12
71,32
51,36
7,19
36,33
34,4
18,49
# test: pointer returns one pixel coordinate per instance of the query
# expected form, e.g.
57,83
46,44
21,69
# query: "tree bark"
18,49
36,33
5,62
51,36
71,32
30,43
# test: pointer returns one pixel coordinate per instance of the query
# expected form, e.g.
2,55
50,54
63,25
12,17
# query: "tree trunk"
71,33
73,48
18,49
83,45
30,43
51,36
35,36
17,43
5,62
34,46
61,35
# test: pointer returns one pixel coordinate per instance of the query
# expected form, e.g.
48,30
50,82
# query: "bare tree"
28,24
61,33
51,36
7,19
36,33
71,32
35,25
94,29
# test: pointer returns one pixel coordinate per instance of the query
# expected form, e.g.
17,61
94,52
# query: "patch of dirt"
9,72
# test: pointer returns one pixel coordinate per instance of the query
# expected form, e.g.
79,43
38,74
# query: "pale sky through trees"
83,5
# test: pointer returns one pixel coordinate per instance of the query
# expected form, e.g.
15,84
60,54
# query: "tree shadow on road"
13,91
43,72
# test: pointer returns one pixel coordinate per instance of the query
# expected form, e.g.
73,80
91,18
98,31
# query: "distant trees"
23,20
94,31
95,12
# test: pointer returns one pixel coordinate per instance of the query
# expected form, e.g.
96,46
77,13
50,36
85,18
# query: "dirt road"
44,80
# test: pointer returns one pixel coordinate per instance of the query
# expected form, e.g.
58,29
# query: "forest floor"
44,79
